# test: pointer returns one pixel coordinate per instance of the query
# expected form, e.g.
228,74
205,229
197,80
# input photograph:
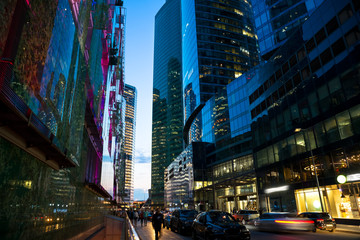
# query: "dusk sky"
139,51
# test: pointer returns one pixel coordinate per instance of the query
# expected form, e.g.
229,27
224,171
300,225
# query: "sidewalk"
112,230
148,233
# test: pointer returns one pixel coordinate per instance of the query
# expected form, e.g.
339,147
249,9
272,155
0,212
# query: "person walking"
136,217
141,217
146,215
157,220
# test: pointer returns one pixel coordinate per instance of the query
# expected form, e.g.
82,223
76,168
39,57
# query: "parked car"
218,225
322,220
244,216
281,221
181,220
167,218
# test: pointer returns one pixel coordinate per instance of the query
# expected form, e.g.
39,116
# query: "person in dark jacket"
157,220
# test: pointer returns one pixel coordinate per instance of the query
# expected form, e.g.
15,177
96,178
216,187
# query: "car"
216,224
283,221
181,220
322,220
167,218
244,216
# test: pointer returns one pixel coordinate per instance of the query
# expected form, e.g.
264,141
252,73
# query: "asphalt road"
147,233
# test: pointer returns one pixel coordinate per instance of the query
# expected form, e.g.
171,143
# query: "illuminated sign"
277,189
353,177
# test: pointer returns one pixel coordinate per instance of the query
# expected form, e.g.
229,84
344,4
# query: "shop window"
287,173
315,65
345,14
338,159
356,4
353,156
324,99
320,36
320,134
344,122
293,61
285,67
297,79
310,45
332,130
332,25
314,104
305,72
355,118
301,54
352,36
326,56
338,47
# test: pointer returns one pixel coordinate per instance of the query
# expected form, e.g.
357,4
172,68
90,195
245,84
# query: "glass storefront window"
338,158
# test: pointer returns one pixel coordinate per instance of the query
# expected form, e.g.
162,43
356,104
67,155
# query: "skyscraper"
167,121
218,45
130,95
276,20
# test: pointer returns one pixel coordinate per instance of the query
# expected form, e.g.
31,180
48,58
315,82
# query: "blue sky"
139,51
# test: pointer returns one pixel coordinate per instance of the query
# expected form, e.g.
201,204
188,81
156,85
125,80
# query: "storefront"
341,200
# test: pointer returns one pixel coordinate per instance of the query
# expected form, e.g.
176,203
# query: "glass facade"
277,20
55,66
219,45
167,122
313,88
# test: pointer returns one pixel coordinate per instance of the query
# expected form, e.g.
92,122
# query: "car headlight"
244,230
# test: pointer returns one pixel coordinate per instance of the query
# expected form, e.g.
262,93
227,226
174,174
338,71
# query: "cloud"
142,157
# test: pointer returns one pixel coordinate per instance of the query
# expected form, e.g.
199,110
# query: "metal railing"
130,232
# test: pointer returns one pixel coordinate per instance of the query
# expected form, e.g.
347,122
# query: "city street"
147,232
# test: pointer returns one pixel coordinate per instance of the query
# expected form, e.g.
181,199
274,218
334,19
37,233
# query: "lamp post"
313,162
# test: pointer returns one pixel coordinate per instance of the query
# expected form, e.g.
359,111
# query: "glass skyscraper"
219,45
276,20
130,95
167,123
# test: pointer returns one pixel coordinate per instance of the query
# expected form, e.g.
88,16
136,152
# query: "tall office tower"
218,45
130,95
167,121
276,20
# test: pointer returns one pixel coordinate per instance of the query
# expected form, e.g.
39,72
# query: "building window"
301,54
344,122
352,37
356,4
345,14
331,130
310,45
297,79
355,118
292,61
320,36
315,65
305,72
338,47
332,25
326,56
285,67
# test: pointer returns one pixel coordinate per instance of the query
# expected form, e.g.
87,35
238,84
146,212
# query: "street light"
313,162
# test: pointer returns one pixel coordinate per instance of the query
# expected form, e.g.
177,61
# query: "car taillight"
293,221
320,220
333,220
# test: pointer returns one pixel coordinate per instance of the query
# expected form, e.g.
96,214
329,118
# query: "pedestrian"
146,215
141,217
136,217
157,220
